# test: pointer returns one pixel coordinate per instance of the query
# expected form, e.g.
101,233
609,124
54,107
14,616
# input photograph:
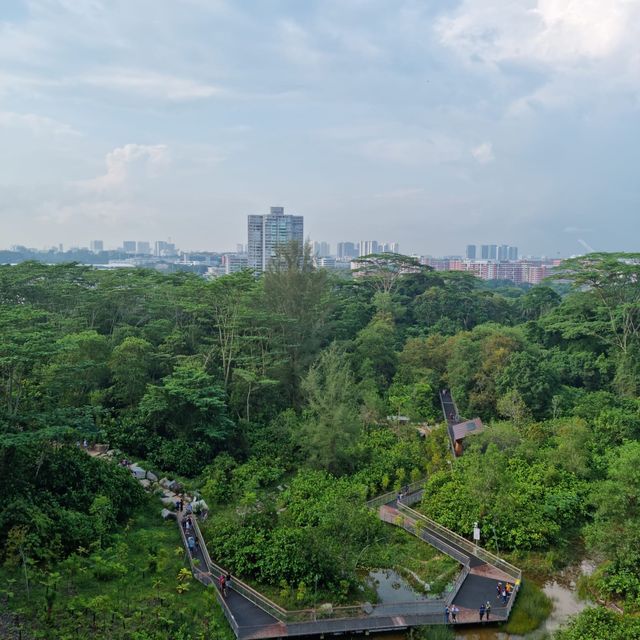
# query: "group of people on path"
485,610
504,591
451,613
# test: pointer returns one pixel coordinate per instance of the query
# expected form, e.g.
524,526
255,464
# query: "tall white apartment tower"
267,233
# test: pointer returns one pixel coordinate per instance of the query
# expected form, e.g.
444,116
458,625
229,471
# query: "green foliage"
599,623
531,609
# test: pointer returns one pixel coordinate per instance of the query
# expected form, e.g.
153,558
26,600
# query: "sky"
433,123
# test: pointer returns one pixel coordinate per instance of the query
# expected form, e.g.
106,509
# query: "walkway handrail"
390,496
465,544
236,584
401,521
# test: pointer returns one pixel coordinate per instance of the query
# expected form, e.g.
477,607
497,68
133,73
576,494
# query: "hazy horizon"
435,125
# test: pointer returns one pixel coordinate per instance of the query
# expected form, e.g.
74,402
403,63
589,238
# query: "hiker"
446,614
499,590
177,505
191,541
509,588
189,508
482,610
222,583
504,596
454,613
227,580
487,609
181,505
85,444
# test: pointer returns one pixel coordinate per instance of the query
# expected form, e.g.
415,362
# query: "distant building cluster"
518,271
267,234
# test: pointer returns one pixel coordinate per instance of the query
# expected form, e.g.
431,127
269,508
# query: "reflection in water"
392,587
565,604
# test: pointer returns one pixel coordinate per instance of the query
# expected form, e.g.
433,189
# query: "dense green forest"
272,396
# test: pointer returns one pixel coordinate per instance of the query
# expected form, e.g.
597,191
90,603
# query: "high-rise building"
471,252
234,262
347,250
129,246
144,248
162,248
484,252
513,253
266,233
367,247
389,247
503,252
96,246
321,249
493,252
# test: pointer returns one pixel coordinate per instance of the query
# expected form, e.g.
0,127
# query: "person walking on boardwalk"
222,583
191,541
482,610
446,614
498,590
454,613
504,596
487,610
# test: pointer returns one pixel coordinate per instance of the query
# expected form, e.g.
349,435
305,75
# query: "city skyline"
454,120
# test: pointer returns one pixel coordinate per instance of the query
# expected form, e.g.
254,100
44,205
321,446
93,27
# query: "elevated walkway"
251,615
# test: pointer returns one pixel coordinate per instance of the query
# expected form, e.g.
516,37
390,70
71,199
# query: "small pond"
392,587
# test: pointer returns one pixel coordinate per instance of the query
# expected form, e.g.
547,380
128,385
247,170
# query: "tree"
297,296
616,525
130,366
331,419
384,270
612,281
189,403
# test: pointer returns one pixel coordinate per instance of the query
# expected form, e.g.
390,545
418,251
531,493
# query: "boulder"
146,484
101,448
166,514
152,476
165,482
138,472
175,486
200,505
168,502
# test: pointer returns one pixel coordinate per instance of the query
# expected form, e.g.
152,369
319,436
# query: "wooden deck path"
252,616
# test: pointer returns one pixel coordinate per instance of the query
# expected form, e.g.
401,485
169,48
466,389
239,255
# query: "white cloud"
150,84
123,162
550,32
38,125
483,153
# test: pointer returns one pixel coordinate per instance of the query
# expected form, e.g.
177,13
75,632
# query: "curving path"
252,616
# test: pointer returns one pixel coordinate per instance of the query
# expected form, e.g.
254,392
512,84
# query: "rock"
146,484
112,453
166,514
326,608
169,494
138,472
367,607
165,482
101,448
168,502
175,486
200,505
152,476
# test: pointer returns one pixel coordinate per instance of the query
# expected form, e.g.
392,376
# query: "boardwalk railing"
390,496
488,557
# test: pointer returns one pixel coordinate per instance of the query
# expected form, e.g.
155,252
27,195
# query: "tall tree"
331,420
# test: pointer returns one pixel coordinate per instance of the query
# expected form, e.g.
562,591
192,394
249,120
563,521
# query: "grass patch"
531,609
129,589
